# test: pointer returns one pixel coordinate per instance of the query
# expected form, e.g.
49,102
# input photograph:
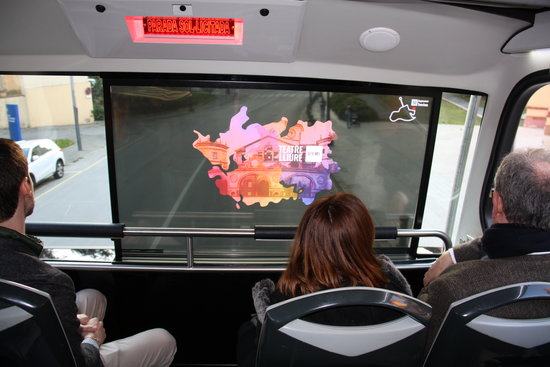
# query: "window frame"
259,82
305,84
505,135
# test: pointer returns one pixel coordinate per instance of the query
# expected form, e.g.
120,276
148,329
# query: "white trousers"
151,348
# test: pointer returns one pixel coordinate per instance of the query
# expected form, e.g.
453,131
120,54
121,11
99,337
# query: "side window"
36,153
460,118
40,150
526,126
41,107
534,126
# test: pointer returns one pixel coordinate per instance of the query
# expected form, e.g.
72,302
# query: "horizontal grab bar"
260,232
88,230
381,233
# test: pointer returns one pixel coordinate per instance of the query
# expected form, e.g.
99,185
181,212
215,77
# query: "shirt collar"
25,243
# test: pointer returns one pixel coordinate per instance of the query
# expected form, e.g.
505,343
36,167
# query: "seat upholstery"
470,337
30,331
289,337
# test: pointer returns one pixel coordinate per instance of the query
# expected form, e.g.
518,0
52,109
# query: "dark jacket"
19,262
264,293
475,273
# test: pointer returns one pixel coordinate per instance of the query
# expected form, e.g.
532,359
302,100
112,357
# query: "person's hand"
83,318
438,267
92,328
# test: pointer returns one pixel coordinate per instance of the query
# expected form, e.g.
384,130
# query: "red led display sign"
185,30
205,27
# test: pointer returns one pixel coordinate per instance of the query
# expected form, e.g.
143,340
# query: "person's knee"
90,293
165,345
164,338
91,302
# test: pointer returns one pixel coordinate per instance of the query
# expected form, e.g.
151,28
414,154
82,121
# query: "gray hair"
523,182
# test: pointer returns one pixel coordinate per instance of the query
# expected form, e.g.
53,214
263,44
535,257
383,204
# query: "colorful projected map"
270,167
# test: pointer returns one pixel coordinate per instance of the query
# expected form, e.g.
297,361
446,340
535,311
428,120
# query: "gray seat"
289,337
469,337
30,331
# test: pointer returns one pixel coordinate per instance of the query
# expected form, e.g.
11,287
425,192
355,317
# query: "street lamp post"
75,111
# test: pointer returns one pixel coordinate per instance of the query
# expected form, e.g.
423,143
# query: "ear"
498,209
26,186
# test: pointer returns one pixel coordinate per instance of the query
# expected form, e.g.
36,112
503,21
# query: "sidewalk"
457,101
92,137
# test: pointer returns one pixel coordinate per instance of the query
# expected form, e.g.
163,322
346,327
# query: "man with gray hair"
516,248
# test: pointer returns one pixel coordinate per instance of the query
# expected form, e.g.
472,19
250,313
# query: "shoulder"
387,266
27,269
450,285
471,250
457,275
396,280
455,282
497,270
50,278
261,296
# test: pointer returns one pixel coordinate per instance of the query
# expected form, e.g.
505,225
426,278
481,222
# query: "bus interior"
199,132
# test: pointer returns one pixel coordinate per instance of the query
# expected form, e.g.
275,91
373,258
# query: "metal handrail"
119,231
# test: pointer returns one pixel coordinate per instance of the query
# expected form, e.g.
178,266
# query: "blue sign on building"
13,122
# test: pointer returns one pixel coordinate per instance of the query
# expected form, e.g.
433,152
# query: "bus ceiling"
78,35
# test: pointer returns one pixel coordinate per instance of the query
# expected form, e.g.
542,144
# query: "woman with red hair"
333,247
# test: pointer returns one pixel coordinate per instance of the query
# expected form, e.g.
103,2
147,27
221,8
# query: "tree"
97,98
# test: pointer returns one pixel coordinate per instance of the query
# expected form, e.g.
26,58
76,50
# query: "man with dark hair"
19,262
13,173
516,248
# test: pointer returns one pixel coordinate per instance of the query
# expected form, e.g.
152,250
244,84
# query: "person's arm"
468,251
464,252
396,281
90,354
261,293
93,333
61,289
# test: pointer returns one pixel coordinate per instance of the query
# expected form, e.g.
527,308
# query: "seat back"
287,339
469,337
30,331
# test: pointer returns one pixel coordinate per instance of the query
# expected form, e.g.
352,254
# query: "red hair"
333,247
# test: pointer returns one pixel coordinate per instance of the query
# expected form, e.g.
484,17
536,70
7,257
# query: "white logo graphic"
314,154
420,102
405,113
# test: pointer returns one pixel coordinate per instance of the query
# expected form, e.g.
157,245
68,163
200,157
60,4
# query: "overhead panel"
243,30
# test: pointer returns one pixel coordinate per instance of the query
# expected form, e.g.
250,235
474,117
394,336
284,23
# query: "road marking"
78,173
176,205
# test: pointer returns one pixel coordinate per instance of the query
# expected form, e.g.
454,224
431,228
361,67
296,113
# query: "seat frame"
32,328
487,338
287,339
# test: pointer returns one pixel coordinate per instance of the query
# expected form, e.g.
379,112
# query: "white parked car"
45,159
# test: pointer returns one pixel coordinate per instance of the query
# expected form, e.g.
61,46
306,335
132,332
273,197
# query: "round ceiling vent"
379,39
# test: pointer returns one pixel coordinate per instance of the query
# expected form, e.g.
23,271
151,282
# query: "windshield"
235,157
